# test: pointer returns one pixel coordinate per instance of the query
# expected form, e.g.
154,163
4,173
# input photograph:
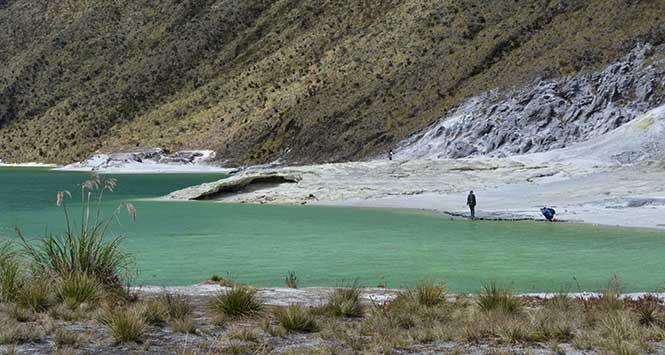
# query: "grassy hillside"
315,80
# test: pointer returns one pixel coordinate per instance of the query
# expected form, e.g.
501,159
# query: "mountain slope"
257,80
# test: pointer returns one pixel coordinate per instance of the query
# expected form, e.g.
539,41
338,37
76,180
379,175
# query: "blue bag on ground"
548,213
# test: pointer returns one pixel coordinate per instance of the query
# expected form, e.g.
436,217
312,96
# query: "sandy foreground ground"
617,179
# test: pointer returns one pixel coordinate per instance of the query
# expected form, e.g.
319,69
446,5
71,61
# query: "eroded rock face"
548,114
103,161
246,182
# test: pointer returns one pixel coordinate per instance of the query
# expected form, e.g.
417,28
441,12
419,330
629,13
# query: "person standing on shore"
471,202
390,155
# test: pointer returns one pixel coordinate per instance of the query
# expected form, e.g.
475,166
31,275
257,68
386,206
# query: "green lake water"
182,243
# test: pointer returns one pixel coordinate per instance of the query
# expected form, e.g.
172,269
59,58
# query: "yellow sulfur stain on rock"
646,123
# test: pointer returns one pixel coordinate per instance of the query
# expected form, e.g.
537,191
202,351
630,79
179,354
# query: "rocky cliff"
307,81
548,114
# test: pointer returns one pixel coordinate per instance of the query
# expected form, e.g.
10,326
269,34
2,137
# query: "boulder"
254,180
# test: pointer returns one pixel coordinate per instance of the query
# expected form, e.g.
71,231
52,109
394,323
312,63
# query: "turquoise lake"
182,243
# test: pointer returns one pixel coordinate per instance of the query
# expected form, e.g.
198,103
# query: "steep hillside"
255,80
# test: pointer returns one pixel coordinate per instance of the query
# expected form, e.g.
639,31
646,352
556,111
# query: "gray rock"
546,114
251,180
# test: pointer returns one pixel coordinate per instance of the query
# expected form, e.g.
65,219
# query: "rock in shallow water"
252,181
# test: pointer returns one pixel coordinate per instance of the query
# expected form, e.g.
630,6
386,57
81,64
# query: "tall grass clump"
125,324
85,249
11,277
495,298
76,289
237,302
344,302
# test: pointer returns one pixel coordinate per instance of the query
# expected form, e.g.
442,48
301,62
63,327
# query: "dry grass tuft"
237,302
17,333
177,306
495,298
184,325
36,294
169,308
67,339
77,289
11,276
270,329
344,302
125,324
296,318
19,313
610,299
291,280
649,311
512,329
68,314
154,311
244,334
430,294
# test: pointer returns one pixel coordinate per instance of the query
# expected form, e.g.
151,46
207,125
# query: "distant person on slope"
471,202
390,155
548,213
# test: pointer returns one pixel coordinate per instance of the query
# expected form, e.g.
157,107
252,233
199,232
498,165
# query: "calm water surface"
181,243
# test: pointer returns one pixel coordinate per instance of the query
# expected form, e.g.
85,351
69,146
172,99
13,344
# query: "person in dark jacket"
548,213
390,155
471,202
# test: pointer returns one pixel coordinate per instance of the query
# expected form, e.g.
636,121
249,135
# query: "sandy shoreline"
317,296
507,188
639,204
